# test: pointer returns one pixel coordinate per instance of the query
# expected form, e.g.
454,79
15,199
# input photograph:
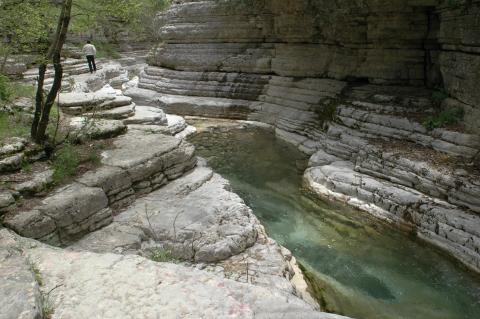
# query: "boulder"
183,217
11,163
12,145
38,183
109,178
147,115
87,128
64,215
6,201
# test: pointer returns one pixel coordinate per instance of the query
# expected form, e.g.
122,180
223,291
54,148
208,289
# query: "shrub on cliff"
5,92
446,117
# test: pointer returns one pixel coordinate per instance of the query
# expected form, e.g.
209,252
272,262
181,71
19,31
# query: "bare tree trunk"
5,52
38,99
47,107
42,106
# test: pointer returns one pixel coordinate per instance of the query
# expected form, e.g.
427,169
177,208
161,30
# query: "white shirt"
89,49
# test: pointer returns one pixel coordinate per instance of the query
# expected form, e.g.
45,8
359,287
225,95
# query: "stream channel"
363,268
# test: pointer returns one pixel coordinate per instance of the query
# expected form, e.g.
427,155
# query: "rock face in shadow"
250,51
378,40
382,42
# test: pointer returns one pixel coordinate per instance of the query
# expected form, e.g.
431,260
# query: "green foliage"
54,122
439,95
163,256
65,163
15,124
68,158
27,166
147,22
47,308
453,3
446,117
22,90
9,91
329,111
111,17
26,25
92,157
5,92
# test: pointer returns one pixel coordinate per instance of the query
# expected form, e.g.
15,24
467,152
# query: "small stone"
11,163
6,200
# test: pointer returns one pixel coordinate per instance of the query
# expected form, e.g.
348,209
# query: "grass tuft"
36,273
447,117
163,256
65,163
107,50
69,158
5,91
15,124
439,95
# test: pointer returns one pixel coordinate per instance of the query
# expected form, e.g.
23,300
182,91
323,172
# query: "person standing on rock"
90,52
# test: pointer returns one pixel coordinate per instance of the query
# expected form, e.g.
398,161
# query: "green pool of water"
365,269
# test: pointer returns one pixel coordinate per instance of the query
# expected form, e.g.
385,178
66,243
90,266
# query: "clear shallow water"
366,270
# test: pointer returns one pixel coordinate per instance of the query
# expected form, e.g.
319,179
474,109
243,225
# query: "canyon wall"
420,42
351,83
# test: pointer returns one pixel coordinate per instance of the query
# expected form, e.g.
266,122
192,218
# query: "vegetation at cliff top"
13,124
444,118
27,26
163,256
4,89
41,27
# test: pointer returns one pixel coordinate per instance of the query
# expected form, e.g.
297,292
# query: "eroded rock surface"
290,64
130,169
77,284
19,290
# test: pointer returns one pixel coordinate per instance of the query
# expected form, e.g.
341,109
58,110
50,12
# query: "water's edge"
330,294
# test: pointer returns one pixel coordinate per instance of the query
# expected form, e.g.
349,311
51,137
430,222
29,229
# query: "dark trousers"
91,63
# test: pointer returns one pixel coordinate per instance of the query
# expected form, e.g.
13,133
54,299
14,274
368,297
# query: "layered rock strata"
416,42
312,71
198,220
129,170
147,199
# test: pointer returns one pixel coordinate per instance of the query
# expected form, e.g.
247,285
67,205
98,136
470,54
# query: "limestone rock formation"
148,199
197,219
415,42
86,205
37,280
350,78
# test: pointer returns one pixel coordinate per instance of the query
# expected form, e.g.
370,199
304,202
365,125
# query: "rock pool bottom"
365,269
